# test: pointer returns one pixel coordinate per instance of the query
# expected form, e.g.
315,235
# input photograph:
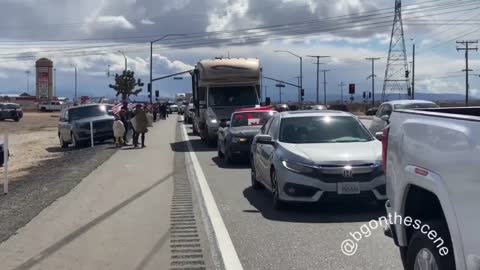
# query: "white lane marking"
224,242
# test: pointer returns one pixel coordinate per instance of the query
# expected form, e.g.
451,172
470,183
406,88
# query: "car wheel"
16,119
63,144
278,204
253,175
75,143
219,151
228,156
423,254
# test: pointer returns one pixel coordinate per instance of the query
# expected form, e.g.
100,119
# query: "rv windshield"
232,96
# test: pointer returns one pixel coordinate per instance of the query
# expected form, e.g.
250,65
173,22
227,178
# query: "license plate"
348,188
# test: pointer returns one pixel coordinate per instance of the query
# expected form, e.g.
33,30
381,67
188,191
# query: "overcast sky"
89,34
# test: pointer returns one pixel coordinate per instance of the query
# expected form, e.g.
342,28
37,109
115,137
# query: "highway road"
302,236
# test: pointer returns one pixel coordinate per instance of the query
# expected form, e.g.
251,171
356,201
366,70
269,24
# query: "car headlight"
238,139
213,121
297,167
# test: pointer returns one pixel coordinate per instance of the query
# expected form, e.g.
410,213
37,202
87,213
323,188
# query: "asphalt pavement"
300,237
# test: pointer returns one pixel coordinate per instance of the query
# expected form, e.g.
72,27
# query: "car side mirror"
385,118
264,139
379,136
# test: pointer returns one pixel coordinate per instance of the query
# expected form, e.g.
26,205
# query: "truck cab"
220,87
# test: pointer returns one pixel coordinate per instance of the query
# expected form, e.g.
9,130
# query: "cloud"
147,21
107,23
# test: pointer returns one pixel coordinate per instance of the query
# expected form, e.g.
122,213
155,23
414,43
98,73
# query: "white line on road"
224,242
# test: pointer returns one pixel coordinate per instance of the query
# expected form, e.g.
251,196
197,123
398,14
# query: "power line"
415,8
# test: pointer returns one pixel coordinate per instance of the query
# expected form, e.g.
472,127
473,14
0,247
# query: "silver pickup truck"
431,159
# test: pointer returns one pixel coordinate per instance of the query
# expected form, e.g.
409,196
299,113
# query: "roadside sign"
279,85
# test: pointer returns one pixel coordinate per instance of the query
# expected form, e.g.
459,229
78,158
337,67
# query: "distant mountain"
422,96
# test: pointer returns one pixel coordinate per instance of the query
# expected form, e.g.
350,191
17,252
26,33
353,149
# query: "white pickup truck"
51,106
432,163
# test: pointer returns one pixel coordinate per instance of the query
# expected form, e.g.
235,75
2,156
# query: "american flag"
117,108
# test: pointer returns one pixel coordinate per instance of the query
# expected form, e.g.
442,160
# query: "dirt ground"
30,141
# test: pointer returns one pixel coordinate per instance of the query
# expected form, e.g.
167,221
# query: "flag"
117,108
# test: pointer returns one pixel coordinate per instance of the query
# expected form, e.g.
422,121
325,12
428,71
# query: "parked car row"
11,111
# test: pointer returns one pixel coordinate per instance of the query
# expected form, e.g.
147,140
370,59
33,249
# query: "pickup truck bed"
432,159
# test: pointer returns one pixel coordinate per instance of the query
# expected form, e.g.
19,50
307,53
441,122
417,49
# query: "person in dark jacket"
163,111
141,125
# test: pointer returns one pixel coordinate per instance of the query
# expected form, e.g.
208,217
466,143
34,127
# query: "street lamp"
54,81
28,81
75,98
151,60
301,71
125,59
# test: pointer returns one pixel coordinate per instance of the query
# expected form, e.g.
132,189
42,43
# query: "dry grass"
30,141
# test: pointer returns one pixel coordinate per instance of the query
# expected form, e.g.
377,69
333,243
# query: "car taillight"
384,147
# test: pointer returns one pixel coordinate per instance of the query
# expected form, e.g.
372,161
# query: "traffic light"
149,88
364,95
409,91
407,73
351,88
157,93
369,94
302,92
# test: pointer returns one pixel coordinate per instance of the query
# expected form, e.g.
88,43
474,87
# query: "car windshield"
323,129
415,106
11,106
87,111
232,96
250,118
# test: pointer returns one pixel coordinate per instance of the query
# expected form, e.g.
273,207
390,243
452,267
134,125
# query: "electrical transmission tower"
396,73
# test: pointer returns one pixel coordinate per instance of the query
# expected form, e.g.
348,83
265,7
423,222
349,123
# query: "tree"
126,85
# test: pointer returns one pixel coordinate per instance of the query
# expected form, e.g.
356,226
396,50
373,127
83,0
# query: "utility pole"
28,81
75,100
413,72
318,73
342,84
467,70
325,86
301,73
54,81
265,86
373,59
150,86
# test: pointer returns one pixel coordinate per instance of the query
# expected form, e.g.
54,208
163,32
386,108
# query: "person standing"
124,118
155,112
119,131
141,125
163,111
